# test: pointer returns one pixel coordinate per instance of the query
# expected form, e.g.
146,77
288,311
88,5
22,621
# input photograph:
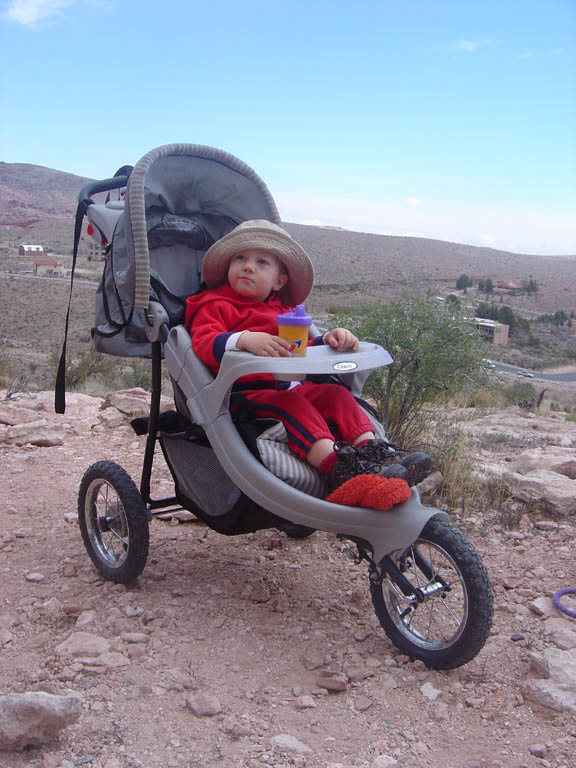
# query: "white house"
30,250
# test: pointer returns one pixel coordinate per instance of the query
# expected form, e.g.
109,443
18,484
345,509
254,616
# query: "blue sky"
450,119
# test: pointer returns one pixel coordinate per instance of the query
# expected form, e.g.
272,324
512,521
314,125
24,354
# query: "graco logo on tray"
345,366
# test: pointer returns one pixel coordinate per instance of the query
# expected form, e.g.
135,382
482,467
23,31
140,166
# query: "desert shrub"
436,351
519,391
87,366
5,366
453,453
137,374
571,417
483,399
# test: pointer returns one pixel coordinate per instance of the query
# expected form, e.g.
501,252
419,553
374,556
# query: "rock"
552,458
430,483
133,402
556,492
332,681
83,644
549,695
35,577
135,637
305,702
286,743
30,719
362,703
430,692
544,606
204,705
52,607
312,661
556,688
40,433
11,415
85,619
384,761
255,593
538,750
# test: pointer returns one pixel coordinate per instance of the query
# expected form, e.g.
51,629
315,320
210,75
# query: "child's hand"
341,339
263,344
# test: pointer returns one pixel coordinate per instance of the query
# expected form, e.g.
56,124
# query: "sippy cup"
293,326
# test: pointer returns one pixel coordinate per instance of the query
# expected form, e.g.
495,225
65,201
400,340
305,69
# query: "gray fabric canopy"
180,199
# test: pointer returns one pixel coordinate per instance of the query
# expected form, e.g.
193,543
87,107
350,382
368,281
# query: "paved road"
77,281
566,378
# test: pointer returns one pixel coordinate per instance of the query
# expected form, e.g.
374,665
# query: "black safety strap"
60,386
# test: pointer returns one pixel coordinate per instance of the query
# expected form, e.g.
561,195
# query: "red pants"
307,410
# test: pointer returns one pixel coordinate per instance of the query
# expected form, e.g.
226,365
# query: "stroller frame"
417,561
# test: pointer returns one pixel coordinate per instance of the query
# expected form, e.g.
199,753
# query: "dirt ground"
247,624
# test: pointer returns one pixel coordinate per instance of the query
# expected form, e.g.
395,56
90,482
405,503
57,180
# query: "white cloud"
412,202
488,240
28,12
471,46
526,56
521,230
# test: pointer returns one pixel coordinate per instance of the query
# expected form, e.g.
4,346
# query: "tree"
489,285
481,285
436,351
532,286
464,281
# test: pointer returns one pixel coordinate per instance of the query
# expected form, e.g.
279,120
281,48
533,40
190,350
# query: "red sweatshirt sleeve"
209,331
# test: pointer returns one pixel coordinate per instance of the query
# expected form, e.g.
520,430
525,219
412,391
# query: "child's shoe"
382,452
418,465
351,461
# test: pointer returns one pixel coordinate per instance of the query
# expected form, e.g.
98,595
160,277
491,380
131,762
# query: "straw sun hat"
269,237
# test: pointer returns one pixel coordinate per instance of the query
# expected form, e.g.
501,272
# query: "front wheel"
447,617
113,522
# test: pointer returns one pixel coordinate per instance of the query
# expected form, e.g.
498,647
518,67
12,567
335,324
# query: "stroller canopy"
180,199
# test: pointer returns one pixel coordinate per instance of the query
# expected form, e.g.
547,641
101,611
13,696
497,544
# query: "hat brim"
291,254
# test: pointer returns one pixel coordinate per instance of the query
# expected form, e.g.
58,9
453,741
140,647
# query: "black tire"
113,521
452,623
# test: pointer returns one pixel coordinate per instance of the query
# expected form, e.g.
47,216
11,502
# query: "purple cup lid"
297,316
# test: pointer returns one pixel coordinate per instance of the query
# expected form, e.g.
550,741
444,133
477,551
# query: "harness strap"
60,385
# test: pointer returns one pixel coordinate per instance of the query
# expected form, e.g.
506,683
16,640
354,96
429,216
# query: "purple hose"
558,604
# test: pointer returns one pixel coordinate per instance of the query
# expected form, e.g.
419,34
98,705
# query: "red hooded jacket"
214,315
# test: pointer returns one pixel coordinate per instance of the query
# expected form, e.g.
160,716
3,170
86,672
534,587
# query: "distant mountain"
350,266
34,193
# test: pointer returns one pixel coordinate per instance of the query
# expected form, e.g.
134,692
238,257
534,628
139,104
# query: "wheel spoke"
428,624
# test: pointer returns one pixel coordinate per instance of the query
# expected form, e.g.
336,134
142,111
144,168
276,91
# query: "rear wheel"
447,618
113,521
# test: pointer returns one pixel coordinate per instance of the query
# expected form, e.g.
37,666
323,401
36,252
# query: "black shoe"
418,465
351,462
382,452
378,451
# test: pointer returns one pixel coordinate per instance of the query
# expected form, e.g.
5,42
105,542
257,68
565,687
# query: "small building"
96,251
30,250
49,268
494,332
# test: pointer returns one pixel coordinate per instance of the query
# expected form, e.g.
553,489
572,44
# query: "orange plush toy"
371,491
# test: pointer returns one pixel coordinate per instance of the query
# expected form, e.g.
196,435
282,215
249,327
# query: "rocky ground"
215,655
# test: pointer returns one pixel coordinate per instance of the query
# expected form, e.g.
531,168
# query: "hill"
37,206
34,193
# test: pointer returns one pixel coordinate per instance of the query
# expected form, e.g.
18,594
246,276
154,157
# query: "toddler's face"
255,273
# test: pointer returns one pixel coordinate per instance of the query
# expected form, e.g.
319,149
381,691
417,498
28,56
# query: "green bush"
518,391
436,351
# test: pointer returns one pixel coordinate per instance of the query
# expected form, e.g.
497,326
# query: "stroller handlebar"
101,186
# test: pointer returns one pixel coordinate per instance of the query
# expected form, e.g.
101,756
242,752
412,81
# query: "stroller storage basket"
199,475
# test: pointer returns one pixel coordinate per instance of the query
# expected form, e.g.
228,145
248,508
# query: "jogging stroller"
428,586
